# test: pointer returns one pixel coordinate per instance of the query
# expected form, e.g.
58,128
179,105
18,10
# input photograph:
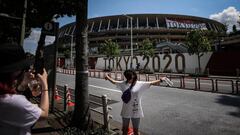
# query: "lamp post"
71,44
131,18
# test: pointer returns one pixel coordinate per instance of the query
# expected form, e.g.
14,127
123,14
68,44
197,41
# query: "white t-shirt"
17,115
133,109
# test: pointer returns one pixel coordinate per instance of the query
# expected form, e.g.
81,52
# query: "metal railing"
104,104
225,80
205,78
177,78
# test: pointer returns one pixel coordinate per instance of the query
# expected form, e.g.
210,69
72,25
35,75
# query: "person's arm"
157,81
110,79
44,103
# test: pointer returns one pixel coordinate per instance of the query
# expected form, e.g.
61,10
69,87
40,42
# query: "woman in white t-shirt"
132,94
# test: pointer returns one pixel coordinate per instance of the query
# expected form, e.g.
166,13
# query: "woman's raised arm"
107,77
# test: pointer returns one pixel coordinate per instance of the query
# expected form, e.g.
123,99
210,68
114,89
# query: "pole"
23,23
105,113
71,48
65,97
71,62
54,66
131,19
131,64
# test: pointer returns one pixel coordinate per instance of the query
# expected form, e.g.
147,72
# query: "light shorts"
135,122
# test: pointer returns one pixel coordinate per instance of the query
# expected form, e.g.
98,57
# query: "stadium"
157,27
166,31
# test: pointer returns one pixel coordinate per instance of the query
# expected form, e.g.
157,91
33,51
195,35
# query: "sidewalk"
54,124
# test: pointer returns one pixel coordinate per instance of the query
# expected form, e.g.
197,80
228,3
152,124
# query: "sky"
224,11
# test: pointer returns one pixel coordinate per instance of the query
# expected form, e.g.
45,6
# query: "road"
173,111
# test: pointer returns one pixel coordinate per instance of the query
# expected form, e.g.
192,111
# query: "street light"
71,44
131,18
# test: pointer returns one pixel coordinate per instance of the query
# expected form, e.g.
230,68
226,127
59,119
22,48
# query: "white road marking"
105,88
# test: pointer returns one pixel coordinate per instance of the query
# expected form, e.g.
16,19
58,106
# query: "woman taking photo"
17,114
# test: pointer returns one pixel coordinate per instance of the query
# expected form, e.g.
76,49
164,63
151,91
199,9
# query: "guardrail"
65,92
237,81
205,78
177,78
225,80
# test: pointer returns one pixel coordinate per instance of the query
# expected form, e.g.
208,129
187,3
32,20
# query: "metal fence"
179,79
64,93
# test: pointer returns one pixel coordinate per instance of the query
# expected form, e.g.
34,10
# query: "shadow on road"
230,101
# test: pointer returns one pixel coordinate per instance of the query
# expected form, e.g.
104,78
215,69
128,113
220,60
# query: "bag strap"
131,86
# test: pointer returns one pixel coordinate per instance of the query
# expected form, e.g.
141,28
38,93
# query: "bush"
77,131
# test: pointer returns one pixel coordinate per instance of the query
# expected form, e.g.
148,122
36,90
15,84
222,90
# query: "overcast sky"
224,11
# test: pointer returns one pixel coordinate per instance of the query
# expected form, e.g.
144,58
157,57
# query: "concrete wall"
162,62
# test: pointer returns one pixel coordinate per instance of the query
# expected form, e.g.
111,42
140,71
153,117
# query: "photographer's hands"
42,78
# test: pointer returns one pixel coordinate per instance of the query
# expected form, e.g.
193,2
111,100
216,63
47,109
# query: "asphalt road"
173,111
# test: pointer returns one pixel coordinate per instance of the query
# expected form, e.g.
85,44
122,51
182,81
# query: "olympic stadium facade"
157,27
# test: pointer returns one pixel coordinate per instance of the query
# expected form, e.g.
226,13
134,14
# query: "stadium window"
161,23
124,22
89,26
96,26
152,22
113,24
104,26
142,22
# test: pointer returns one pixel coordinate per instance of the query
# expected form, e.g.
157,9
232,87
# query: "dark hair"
12,68
6,83
129,75
16,58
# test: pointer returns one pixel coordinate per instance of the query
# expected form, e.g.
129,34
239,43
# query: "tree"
81,117
110,49
146,48
38,13
225,27
238,21
213,36
197,43
67,53
234,28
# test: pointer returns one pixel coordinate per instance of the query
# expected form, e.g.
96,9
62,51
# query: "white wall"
191,62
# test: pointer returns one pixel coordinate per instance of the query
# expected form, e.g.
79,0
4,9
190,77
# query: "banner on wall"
184,24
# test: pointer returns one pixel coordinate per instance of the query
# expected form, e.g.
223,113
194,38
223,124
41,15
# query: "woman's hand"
162,79
44,103
107,77
27,77
43,79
